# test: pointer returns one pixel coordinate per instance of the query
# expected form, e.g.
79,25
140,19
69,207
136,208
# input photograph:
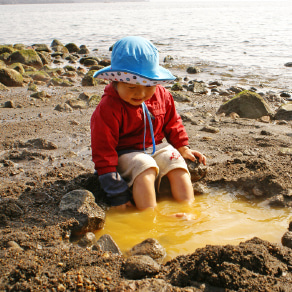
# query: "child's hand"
190,154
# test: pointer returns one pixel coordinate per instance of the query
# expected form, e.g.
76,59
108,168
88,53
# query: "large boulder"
10,77
80,204
246,104
72,48
6,49
27,57
284,112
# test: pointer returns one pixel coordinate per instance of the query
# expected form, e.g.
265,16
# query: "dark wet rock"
83,60
64,108
9,104
84,96
180,97
193,70
10,77
10,208
246,104
197,170
72,47
150,247
28,57
77,104
284,112
60,50
236,89
176,87
215,83
198,87
90,62
287,239
210,129
87,240
289,64
41,48
3,87
106,244
105,62
83,50
70,68
80,204
139,267
45,57
285,94
56,42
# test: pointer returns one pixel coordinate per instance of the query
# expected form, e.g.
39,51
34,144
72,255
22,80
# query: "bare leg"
181,185
144,189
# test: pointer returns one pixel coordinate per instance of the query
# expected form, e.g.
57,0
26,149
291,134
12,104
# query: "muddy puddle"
219,217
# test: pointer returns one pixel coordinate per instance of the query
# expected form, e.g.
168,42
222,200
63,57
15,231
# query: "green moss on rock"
38,76
27,57
10,77
6,49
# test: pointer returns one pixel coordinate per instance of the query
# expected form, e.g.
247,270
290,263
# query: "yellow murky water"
218,217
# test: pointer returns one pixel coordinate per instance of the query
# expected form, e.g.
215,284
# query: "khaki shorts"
165,159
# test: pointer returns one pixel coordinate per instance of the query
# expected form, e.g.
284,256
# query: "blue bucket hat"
135,60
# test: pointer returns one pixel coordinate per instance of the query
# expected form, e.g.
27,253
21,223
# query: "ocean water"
248,38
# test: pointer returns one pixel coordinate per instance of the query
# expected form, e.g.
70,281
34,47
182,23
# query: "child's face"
134,94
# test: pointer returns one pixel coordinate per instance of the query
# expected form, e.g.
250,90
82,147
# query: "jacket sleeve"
174,129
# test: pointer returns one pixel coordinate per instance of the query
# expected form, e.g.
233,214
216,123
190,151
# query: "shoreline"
45,153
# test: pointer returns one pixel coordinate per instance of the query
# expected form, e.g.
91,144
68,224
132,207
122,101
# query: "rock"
84,96
14,245
236,89
56,42
41,48
40,143
27,57
284,112
60,82
176,87
60,50
216,83
88,79
3,87
10,77
90,62
289,64
77,104
180,97
32,87
72,48
87,240
246,104
83,50
210,129
106,244
80,204
139,267
198,87
45,57
193,70
9,104
149,247
197,170
105,62
17,67
64,108
40,95
287,239
285,151
38,76
6,49
167,59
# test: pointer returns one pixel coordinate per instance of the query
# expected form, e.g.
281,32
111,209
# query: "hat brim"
162,76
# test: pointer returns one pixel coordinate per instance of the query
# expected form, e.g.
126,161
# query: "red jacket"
117,125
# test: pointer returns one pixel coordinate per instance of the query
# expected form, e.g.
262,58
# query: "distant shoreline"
15,2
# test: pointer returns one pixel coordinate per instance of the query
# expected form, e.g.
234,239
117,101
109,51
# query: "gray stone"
139,267
180,97
284,112
289,64
246,104
287,239
106,244
87,240
64,108
198,87
150,247
193,70
210,129
197,170
77,104
80,204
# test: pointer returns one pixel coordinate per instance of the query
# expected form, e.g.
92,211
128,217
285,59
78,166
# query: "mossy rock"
41,47
60,49
56,42
72,48
70,68
19,46
29,68
61,82
10,77
6,49
40,95
38,76
94,100
18,67
177,87
246,104
88,79
45,57
5,57
84,59
27,57
32,87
